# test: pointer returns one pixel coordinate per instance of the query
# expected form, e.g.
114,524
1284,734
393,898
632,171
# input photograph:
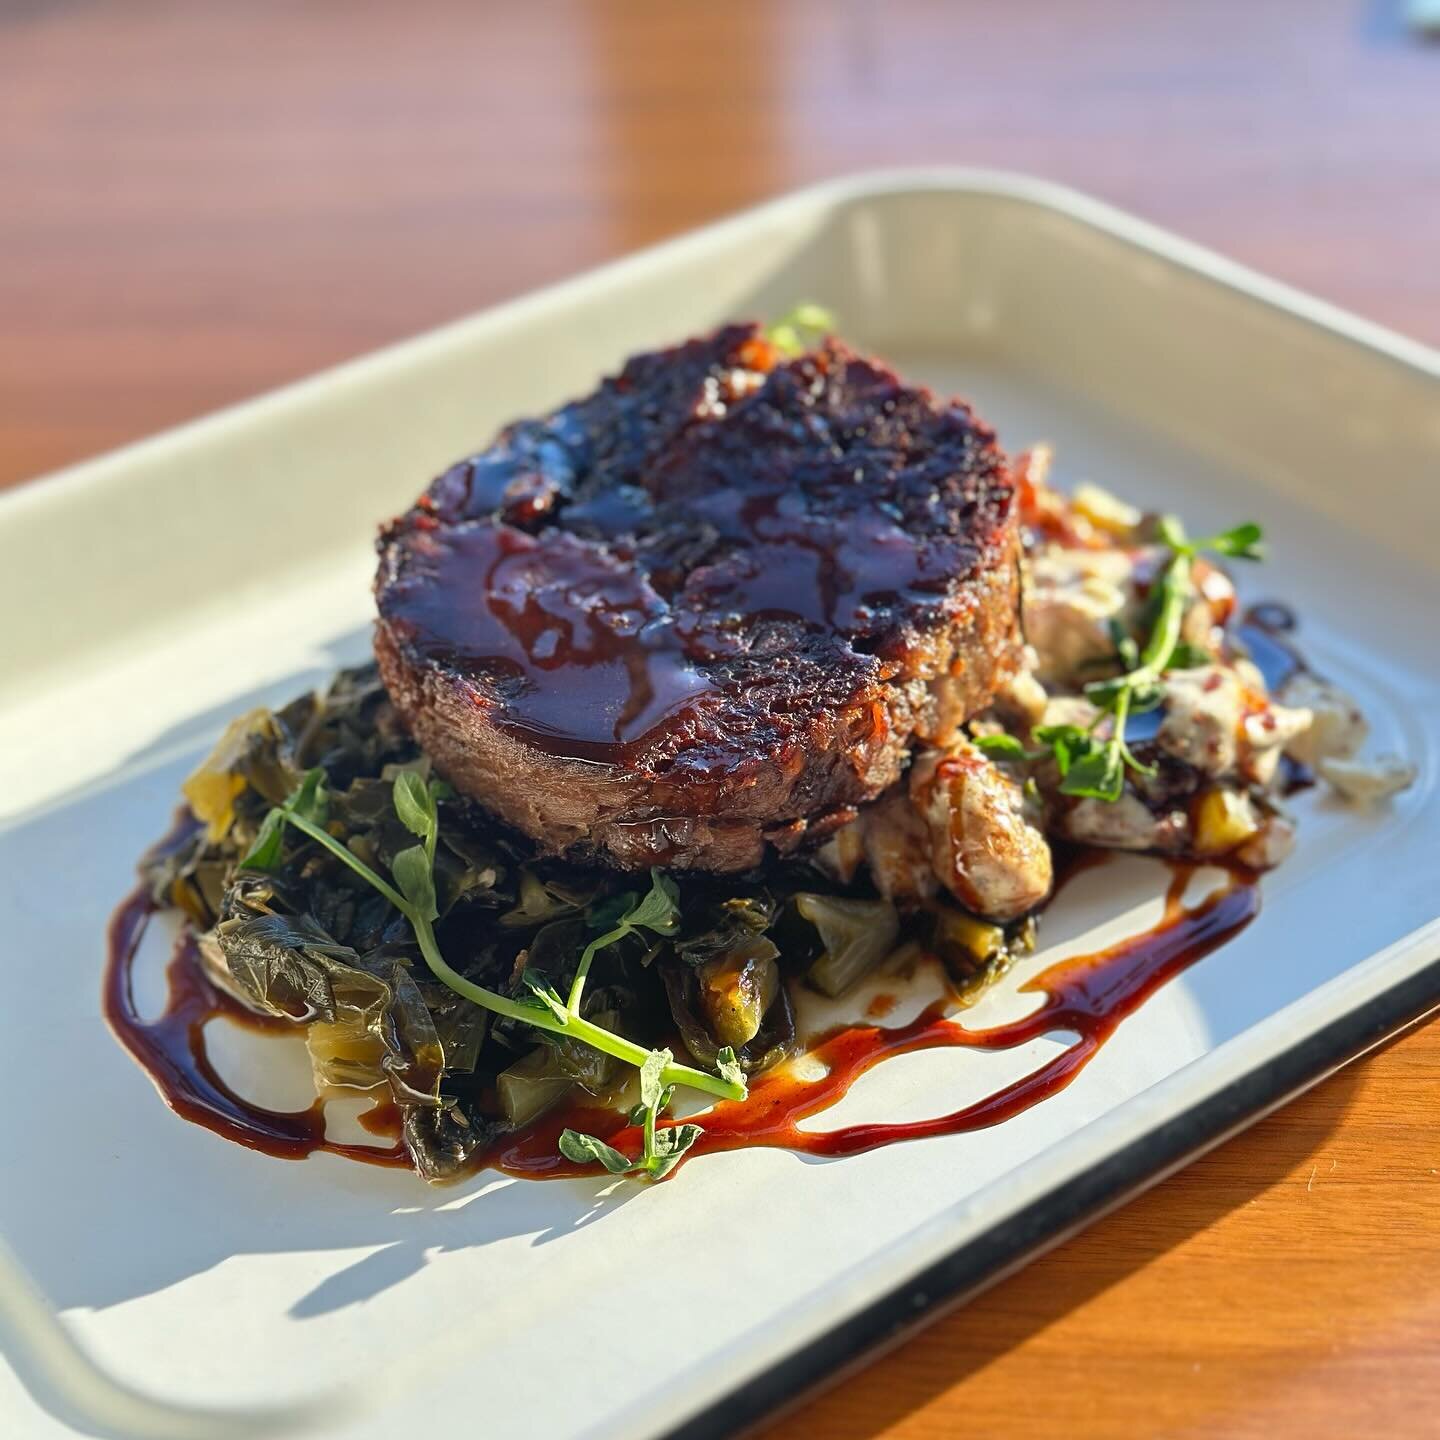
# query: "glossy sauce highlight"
171,1050
1087,996
596,573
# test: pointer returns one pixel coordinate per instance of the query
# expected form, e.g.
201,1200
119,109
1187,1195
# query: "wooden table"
198,202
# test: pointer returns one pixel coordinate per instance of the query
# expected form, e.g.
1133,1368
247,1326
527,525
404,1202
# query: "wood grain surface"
199,201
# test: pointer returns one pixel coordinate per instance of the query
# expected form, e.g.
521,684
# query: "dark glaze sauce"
595,663
586,642
597,571
811,560
171,1050
1089,995
1263,631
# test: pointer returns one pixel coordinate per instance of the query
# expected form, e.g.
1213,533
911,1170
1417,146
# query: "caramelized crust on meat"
706,609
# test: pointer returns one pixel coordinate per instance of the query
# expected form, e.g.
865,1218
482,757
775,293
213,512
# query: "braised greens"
433,958
416,805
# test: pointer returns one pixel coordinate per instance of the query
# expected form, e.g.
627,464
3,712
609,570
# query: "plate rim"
1062,1211
819,197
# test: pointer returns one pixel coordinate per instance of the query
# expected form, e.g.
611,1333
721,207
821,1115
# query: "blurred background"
200,199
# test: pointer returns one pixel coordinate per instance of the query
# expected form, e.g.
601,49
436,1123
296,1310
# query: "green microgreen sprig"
797,330
413,895
657,911
661,1150
1095,766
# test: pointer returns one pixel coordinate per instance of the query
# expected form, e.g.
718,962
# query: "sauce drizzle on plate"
1086,996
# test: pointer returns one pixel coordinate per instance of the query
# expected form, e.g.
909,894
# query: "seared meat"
708,607
983,847
895,846
961,822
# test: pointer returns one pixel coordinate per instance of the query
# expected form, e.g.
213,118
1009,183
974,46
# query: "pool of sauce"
1087,996
171,1049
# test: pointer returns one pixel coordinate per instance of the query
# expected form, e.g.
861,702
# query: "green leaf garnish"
584,1149
1170,532
1144,698
1126,650
652,1088
657,911
638,1111
416,880
728,1066
265,853
414,804
667,1149
1186,656
797,330
662,1150
1096,767
1100,774
1241,543
1139,766
1000,747
1104,693
545,992
311,801
1066,743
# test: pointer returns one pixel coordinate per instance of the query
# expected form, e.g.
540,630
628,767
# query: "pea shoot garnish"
1095,766
662,1150
797,330
412,893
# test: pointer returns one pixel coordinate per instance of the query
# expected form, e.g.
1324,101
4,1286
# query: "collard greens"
290,926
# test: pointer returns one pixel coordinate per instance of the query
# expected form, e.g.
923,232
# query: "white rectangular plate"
202,1289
